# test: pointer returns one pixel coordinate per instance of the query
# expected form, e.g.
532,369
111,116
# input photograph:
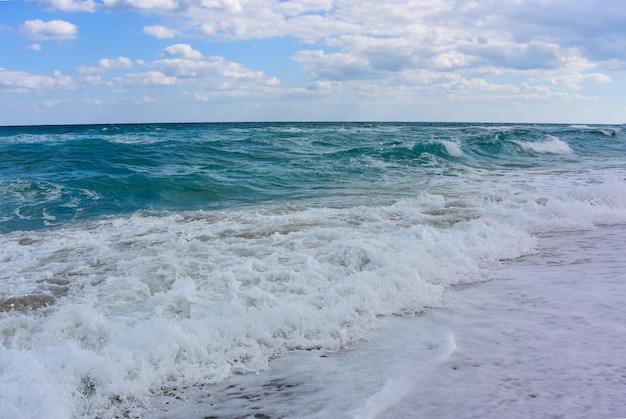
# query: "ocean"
144,264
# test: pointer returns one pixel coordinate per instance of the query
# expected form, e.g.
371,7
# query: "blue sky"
115,61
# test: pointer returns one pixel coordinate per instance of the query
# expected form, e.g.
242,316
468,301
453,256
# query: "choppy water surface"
135,258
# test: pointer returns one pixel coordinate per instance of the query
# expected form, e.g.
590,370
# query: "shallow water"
543,340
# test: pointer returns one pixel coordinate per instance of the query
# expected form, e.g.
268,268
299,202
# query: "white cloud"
119,62
22,81
143,5
597,77
472,86
201,97
213,69
158,31
338,66
272,81
182,51
34,47
211,73
438,34
89,71
94,102
186,67
149,78
105,64
397,49
91,80
143,100
52,30
574,81
66,5
416,43
53,102
295,7
515,35
517,56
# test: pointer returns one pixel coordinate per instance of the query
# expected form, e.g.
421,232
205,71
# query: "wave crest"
549,145
452,148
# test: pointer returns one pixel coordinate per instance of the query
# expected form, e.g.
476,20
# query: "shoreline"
543,341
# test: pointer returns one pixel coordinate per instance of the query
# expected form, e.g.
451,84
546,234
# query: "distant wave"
492,128
609,132
550,145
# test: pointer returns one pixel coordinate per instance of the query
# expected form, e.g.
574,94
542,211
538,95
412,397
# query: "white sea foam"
452,148
31,200
497,128
152,301
539,342
610,132
549,145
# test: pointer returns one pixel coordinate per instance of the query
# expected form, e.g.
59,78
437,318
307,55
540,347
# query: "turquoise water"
55,175
137,258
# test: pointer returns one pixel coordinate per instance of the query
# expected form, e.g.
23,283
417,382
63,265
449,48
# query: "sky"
124,61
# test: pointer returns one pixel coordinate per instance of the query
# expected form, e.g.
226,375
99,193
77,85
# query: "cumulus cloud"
213,69
149,78
416,44
105,64
337,66
119,62
52,30
158,31
455,45
518,35
272,81
574,81
185,66
182,51
210,73
532,49
516,56
23,81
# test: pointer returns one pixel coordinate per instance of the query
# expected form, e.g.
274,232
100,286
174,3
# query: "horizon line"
302,122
